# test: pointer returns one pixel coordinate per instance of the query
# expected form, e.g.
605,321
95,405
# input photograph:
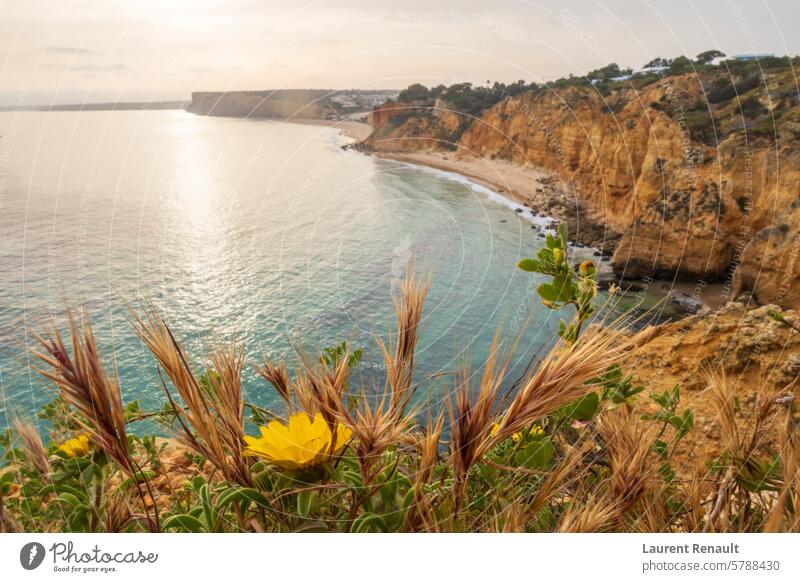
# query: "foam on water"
542,222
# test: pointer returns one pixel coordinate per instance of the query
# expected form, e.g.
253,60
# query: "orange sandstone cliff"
699,180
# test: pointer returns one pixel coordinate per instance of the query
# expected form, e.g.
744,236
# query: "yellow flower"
534,431
77,447
302,443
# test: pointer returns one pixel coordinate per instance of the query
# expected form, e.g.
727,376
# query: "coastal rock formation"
668,166
734,339
750,347
400,126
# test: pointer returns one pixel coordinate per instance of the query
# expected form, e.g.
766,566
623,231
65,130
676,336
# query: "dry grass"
472,418
32,445
85,385
627,442
93,394
398,353
458,472
211,419
562,377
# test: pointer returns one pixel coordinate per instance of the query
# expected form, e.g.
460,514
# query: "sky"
82,51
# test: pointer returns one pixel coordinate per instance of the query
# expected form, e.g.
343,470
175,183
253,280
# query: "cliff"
747,345
698,179
294,103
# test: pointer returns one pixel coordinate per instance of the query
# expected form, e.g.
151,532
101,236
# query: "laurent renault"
691,549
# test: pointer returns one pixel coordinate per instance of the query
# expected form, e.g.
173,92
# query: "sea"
264,232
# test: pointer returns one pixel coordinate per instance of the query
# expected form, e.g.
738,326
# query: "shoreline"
541,193
544,194
514,182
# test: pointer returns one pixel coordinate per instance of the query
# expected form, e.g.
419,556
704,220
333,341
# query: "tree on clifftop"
608,72
680,66
657,62
707,56
415,92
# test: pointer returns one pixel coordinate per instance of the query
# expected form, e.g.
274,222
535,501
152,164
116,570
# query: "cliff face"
747,345
301,104
687,189
400,126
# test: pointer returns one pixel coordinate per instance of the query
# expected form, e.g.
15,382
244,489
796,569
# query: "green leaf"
688,423
537,455
667,472
560,290
183,522
776,315
682,424
239,494
562,234
757,475
64,488
139,476
529,265
69,499
659,447
352,478
369,522
197,482
583,408
553,242
132,410
305,502
209,512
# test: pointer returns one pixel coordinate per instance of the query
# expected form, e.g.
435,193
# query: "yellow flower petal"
300,428
299,443
76,447
319,428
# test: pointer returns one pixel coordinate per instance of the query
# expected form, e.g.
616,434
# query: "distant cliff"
283,104
698,173
290,103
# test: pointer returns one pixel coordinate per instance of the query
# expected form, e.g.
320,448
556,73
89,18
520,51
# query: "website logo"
31,555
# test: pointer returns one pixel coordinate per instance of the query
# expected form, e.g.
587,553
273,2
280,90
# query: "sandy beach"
520,183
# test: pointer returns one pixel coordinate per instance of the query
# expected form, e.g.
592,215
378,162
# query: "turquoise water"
263,231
